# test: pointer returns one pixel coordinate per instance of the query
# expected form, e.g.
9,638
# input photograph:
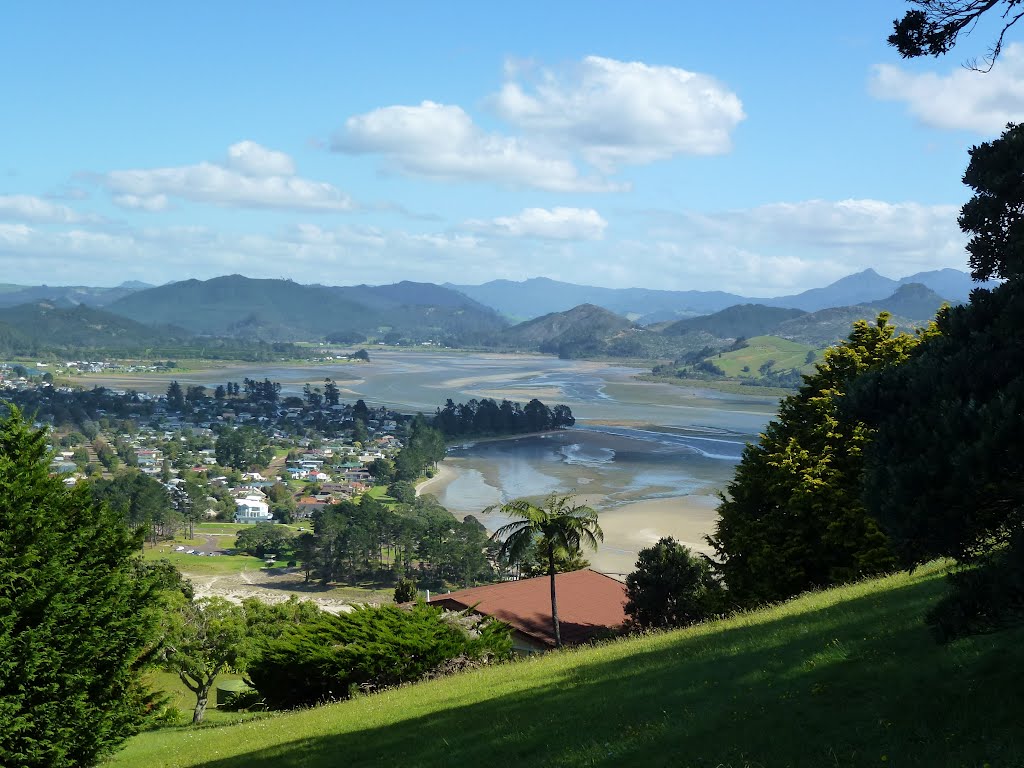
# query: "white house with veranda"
252,509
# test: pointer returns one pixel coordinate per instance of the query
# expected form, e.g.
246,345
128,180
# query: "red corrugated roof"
589,603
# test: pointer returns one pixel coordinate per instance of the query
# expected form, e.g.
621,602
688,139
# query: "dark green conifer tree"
77,615
792,518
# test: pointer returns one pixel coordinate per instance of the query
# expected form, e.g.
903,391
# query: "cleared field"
759,350
204,565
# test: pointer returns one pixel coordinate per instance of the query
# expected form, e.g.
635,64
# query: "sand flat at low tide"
631,527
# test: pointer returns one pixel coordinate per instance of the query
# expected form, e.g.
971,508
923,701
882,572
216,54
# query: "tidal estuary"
649,457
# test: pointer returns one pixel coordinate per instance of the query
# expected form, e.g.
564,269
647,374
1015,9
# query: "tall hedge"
369,649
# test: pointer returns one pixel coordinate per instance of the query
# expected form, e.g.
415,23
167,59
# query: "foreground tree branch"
932,29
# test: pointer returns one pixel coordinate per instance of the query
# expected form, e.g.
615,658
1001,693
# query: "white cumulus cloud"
144,203
961,100
545,224
811,242
619,113
253,177
442,141
253,159
36,209
608,113
870,225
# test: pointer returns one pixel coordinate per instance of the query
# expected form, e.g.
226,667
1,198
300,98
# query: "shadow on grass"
857,683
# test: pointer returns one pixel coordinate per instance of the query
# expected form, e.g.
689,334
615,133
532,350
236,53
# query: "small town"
537,384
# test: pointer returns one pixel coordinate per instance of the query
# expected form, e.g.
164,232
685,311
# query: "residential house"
252,509
590,606
307,505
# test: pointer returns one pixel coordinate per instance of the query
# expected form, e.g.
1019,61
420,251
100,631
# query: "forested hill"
582,330
43,330
284,310
913,300
31,329
733,322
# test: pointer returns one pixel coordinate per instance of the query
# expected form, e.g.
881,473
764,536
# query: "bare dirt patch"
276,585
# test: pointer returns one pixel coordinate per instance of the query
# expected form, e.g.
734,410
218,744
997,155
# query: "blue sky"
761,148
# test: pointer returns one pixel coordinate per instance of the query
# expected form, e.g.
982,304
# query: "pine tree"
77,614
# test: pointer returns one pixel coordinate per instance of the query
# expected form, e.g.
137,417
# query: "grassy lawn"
205,566
217,528
184,701
379,492
846,677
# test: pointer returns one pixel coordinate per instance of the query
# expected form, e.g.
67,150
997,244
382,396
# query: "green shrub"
671,587
370,649
405,591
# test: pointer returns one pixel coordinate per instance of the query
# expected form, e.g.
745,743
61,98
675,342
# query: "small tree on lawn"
205,638
405,591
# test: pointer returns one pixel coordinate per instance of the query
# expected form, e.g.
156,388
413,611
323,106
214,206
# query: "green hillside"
911,300
763,349
829,326
846,677
733,322
40,328
577,332
241,306
277,310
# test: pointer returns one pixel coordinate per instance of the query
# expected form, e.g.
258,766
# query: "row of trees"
315,397
486,417
369,540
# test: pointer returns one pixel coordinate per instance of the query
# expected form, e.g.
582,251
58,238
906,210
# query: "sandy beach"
631,527
442,479
628,526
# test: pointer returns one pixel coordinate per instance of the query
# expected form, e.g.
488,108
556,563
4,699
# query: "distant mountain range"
590,321
282,310
66,296
540,296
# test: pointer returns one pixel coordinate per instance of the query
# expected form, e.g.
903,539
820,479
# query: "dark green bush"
370,649
405,591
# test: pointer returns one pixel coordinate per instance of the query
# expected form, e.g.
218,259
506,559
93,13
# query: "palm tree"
560,525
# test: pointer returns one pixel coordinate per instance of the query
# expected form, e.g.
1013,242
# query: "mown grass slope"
846,677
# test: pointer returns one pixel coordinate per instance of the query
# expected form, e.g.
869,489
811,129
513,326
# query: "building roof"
589,604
